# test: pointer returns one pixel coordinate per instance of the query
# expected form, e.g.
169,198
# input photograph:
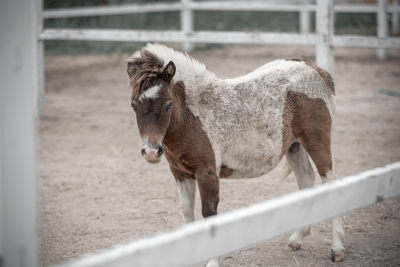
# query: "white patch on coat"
187,192
150,93
243,116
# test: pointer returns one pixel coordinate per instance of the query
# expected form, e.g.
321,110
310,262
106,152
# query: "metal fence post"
325,24
395,17
186,24
18,144
382,26
304,17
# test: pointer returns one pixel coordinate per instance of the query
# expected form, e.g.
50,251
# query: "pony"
210,128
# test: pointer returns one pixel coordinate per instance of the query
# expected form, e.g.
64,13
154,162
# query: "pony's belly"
250,162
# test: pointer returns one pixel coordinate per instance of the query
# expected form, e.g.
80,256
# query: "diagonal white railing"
225,233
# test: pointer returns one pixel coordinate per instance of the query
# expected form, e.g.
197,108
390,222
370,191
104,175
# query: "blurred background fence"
289,16
323,23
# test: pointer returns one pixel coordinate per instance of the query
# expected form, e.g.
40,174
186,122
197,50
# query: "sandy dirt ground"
97,192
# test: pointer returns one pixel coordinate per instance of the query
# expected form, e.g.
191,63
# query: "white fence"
217,236
324,39
19,243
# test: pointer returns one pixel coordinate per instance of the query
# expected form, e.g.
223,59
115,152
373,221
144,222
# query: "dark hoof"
337,256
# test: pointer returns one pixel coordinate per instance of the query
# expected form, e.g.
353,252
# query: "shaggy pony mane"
142,69
149,62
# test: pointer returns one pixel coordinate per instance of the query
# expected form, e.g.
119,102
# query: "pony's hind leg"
298,160
309,120
318,145
337,249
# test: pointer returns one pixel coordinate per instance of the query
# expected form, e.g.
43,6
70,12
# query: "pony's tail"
283,169
286,169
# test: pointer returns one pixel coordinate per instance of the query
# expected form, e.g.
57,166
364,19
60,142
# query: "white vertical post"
40,58
18,129
382,26
1,192
186,23
325,24
395,18
304,18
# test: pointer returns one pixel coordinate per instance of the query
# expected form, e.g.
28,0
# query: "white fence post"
325,23
186,24
40,58
304,17
382,26
18,122
395,18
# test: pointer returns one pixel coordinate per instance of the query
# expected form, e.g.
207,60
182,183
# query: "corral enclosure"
97,191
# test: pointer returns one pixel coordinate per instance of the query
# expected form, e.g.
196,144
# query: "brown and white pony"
210,128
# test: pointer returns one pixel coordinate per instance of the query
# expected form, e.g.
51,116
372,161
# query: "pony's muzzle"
152,154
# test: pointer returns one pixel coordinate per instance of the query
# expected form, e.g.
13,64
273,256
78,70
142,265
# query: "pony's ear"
169,71
129,67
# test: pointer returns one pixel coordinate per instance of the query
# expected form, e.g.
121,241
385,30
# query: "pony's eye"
169,106
133,107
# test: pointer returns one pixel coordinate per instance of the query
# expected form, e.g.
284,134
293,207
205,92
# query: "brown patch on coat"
225,172
308,120
323,73
189,151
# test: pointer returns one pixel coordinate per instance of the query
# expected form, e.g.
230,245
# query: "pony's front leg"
208,183
187,192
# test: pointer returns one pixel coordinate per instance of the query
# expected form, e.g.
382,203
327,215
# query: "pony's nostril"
160,151
143,152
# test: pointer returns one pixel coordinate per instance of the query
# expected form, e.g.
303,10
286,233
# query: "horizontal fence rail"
219,235
365,41
282,6
178,36
364,8
110,10
216,37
